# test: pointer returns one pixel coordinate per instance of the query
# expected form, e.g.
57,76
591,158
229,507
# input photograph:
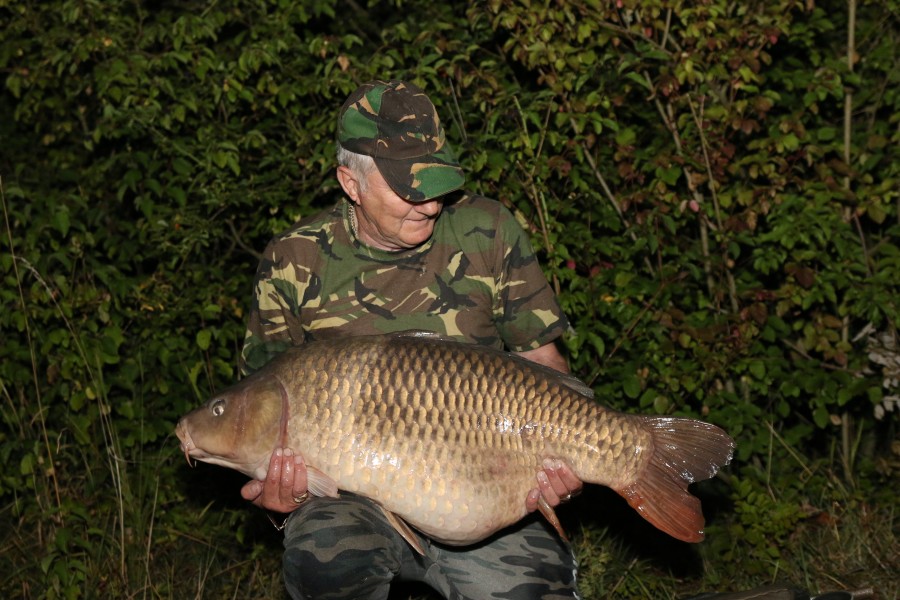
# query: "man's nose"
429,207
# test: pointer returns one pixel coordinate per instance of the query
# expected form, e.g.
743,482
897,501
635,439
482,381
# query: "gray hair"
359,164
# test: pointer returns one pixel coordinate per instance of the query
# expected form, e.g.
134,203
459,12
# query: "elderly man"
405,249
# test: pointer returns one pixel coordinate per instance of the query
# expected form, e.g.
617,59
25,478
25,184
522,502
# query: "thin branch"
457,114
698,121
665,39
650,304
612,200
235,236
846,422
802,352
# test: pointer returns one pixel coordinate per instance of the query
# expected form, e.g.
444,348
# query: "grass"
190,536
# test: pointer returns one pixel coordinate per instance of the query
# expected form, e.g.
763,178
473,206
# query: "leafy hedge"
712,186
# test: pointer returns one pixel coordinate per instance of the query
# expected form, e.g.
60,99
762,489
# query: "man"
405,249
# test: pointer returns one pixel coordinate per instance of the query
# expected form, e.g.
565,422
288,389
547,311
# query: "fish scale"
448,437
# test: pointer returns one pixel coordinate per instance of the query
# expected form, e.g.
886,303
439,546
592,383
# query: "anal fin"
404,530
551,517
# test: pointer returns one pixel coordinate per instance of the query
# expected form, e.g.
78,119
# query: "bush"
721,235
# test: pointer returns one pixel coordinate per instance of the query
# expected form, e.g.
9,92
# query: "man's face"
389,222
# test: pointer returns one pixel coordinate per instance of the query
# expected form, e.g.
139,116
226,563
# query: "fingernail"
288,452
278,452
542,478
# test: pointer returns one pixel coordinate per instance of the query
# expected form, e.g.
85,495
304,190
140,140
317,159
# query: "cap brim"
424,177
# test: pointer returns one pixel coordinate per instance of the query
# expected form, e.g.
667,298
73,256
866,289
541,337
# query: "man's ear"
349,182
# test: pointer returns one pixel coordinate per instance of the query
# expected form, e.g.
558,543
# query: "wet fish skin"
449,436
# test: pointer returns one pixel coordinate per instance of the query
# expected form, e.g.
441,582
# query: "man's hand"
556,483
284,488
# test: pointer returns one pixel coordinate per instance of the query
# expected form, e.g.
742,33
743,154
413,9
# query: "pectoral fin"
404,530
551,517
320,484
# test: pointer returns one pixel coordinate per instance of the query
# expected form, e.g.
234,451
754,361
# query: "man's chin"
419,236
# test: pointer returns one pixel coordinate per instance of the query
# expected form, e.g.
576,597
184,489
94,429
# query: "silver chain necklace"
352,214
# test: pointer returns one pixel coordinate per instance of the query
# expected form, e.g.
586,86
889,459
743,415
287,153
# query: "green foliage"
723,240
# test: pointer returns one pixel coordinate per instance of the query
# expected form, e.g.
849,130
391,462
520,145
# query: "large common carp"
449,436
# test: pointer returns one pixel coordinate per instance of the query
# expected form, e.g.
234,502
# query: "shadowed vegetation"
712,188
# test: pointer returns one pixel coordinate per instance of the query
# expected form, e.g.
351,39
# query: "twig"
665,39
822,364
848,94
698,121
240,242
544,128
457,114
537,198
611,197
632,35
848,130
622,578
634,322
790,450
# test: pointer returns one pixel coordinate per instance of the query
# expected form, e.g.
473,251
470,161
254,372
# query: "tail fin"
683,451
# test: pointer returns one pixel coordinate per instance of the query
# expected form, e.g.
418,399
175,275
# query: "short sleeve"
527,312
273,324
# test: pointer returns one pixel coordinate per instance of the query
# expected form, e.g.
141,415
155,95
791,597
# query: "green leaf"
26,465
626,136
632,387
826,134
758,369
61,220
203,339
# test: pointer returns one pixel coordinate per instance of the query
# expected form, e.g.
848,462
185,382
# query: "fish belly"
457,491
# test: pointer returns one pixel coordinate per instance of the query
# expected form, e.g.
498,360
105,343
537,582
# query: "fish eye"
218,407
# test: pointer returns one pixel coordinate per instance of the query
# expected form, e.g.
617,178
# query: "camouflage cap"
397,125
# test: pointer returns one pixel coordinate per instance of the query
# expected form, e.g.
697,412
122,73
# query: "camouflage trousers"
343,549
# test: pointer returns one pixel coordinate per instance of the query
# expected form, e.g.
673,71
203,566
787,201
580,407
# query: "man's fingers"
551,470
557,482
274,472
532,499
547,489
284,487
569,479
251,490
286,484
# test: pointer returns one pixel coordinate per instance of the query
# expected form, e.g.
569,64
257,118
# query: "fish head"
237,428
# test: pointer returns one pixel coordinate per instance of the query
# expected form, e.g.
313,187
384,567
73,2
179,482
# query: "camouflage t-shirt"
476,280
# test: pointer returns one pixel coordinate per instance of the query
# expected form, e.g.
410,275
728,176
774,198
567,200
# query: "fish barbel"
449,436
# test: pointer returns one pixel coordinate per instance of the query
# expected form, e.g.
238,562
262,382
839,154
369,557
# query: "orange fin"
683,451
320,484
404,530
551,517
